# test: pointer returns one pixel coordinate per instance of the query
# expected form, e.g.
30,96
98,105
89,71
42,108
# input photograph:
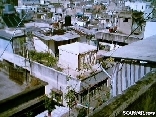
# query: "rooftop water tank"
9,9
68,20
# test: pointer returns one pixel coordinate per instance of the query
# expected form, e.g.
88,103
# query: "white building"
145,7
150,29
78,60
78,54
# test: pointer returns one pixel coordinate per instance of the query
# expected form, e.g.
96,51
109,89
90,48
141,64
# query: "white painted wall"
37,24
44,46
40,46
150,29
67,59
141,6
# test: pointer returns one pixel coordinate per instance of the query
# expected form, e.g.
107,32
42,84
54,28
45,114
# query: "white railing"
126,74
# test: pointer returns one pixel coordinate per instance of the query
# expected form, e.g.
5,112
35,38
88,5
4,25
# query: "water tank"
68,20
9,9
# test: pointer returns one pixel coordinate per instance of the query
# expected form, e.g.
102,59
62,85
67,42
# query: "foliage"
29,114
82,112
22,42
58,32
70,97
49,103
108,63
138,18
43,58
59,69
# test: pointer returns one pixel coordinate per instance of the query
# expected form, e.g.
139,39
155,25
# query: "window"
125,20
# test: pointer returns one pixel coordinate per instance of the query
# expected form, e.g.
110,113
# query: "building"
125,22
149,29
28,2
11,43
50,43
75,52
132,65
145,7
78,60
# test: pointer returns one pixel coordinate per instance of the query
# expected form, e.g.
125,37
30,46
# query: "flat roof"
66,36
144,50
77,48
8,87
9,34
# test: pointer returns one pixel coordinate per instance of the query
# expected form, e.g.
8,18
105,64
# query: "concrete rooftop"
8,87
144,50
77,48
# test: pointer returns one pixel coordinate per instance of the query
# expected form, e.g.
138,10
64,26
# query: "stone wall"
139,97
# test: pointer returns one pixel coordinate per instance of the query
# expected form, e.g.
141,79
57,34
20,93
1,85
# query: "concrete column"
119,80
114,83
147,70
123,78
142,72
132,74
129,75
136,73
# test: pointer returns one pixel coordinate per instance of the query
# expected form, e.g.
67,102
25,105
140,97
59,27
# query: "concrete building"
50,43
78,60
145,7
135,64
11,46
125,23
79,54
28,2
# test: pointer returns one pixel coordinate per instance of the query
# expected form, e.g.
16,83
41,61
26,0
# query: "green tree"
49,104
138,18
82,112
70,98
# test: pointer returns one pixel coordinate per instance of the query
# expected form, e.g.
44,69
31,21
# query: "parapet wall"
139,97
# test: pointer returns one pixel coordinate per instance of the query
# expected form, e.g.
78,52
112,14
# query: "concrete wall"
55,79
44,46
140,97
67,59
6,43
125,75
116,37
150,29
125,27
16,102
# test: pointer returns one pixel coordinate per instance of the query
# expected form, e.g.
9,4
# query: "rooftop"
66,36
141,50
9,86
8,34
77,48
